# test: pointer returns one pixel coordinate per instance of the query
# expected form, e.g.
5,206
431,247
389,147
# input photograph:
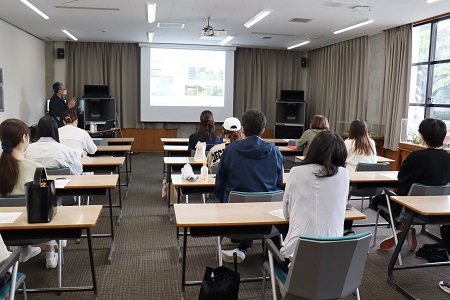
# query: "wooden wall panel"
148,140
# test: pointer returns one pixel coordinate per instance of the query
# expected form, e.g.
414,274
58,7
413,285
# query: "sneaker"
389,242
445,286
412,239
227,255
51,261
26,255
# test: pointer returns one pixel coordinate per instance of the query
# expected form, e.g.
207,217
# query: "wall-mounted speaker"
304,62
60,53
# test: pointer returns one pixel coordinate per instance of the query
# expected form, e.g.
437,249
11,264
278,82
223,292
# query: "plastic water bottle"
204,172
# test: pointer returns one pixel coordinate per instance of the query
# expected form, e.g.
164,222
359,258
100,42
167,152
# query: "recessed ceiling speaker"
60,53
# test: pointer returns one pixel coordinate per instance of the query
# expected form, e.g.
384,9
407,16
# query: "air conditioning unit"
212,34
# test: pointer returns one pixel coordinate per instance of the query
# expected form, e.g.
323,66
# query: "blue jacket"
250,165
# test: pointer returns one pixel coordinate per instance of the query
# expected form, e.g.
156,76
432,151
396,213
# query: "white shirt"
314,206
77,139
51,154
353,158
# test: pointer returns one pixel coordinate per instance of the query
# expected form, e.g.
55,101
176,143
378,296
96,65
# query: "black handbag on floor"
41,198
220,283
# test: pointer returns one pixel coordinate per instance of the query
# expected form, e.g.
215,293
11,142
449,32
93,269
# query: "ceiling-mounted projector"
209,33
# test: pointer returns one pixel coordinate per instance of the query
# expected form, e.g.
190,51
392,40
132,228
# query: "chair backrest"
58,171
418,189
109,124
327,268
7,201
100,142
372,167
240,197
214,169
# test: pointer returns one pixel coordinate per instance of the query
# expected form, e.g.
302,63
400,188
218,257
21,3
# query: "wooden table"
217,219
120,141
380,159
428,209
89,185
185,141
68,223
175,141
104,131
118,150
105,164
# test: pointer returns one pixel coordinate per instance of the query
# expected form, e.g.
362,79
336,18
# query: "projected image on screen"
187,77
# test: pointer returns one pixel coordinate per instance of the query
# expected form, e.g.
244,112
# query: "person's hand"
72,103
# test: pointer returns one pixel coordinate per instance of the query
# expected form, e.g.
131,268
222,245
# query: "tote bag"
41,198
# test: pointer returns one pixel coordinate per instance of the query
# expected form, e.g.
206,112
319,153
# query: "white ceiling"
126,20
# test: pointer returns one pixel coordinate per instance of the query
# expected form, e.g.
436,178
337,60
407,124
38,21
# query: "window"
430,71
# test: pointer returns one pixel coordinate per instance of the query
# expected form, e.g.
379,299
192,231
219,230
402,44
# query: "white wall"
23,62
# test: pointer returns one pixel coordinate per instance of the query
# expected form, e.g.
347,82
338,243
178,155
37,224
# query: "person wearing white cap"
232,132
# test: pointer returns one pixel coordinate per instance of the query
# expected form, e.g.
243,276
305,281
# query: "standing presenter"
58,105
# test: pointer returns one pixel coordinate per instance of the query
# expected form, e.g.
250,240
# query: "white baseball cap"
232,124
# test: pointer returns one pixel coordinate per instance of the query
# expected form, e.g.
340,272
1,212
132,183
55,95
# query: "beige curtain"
397,75
338,80
260,74
115,65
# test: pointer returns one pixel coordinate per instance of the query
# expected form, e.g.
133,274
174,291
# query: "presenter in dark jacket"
250,165
58,104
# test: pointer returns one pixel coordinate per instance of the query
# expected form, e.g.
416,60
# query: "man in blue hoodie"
250,165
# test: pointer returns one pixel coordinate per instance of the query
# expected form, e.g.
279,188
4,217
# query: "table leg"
183,267
396,253
126,171
131,174
111,221
169,175
91,259
120,198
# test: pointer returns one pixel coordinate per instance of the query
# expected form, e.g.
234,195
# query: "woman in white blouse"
360,147
48,152
316,193
74,137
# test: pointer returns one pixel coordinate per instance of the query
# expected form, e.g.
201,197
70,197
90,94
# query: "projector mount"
208,30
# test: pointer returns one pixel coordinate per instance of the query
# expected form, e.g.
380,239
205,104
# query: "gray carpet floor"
146,266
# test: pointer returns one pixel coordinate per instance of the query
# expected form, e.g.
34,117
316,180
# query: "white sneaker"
32,252
227,255
51,261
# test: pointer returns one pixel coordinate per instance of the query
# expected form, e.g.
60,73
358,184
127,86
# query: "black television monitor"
96,91
292,96
95,110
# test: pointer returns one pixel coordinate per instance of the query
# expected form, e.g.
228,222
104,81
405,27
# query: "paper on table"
391,176
9,217
277,213
61,183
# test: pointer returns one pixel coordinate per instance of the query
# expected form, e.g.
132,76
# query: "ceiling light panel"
359,24
151,12
171,25
70,35
38,11
298,45
226,40
261,15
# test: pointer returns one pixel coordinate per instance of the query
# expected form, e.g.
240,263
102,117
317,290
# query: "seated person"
318,123
232,132
206,132
250,165
360,147
48,152
74,137
15,171
316,193
430,166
